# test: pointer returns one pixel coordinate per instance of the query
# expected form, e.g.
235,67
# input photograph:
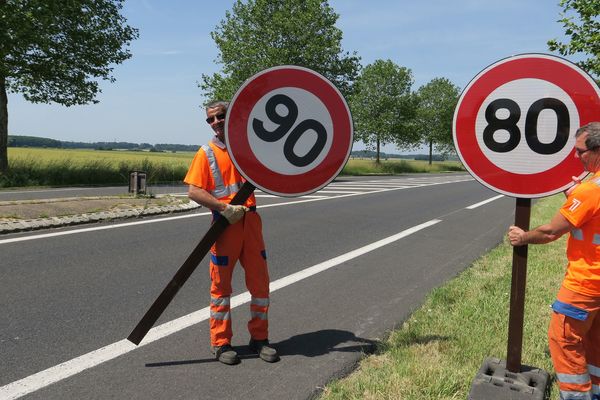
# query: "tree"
54,51
584,31
264,33
383,107
437,101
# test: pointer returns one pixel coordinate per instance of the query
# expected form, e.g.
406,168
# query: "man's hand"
234,213
516,236
576,182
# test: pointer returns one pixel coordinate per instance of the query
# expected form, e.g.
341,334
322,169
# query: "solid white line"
79,364
303,199
474,206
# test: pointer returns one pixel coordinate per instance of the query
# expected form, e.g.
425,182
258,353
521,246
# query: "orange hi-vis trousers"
574,339
241,241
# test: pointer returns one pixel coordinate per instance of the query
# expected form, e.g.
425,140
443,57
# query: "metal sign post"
517,291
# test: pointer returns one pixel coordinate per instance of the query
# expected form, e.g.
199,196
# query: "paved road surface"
347,265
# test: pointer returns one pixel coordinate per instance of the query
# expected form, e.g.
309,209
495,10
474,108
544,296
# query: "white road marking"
79,364
303,199
481,203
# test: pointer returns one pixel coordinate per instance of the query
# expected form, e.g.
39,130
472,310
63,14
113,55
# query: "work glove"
234,213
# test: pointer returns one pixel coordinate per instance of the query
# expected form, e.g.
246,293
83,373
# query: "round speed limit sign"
289,131
514,124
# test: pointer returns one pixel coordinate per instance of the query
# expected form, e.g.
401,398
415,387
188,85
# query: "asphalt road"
346,265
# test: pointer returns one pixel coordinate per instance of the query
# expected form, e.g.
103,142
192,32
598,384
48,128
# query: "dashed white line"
481,203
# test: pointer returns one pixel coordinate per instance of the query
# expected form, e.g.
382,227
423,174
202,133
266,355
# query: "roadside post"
513,130
289,132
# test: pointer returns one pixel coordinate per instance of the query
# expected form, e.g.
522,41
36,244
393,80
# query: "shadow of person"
314,344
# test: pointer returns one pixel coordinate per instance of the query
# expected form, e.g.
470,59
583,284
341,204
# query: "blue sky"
156,98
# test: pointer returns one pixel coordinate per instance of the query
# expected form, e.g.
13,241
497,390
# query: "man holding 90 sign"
213,182
574,334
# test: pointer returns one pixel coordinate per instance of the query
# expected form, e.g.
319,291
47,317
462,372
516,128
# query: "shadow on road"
312,344
318,343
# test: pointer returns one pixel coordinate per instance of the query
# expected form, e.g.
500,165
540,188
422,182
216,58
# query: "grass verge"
439,349
72,167
396,166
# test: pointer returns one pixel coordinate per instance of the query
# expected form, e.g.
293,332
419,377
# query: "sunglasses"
219,117
581,152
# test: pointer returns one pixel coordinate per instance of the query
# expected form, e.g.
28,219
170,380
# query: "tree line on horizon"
35,141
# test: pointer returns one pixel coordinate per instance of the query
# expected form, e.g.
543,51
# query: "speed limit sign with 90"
515,122
289,131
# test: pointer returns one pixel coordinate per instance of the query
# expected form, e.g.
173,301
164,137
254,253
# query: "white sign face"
525,93
514,125
289,131
295,153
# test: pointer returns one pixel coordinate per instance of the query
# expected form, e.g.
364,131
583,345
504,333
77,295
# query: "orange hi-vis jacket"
582,209
213,171
226,182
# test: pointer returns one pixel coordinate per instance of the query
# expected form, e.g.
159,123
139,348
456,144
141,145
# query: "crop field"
59,167
65,167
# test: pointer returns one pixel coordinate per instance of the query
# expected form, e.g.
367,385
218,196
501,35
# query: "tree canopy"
56,51
383,107
259,34
582,26
437,101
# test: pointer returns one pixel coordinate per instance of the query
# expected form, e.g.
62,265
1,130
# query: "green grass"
440,348
60,167
397,166
64,167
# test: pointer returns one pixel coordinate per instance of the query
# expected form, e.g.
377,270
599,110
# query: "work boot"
225,354
264,351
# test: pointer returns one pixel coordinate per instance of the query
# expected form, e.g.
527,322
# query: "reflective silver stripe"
566,395
596,240
577,234
220,301
260,301
594,370
220,189
223,316
259,315
578,379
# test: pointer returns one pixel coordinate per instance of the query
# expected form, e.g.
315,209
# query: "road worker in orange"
574,333
213,182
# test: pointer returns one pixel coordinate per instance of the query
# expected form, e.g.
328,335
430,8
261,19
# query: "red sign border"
239,147
565,75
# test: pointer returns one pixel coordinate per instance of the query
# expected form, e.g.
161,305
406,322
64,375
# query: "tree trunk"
377,159
3,126
430,152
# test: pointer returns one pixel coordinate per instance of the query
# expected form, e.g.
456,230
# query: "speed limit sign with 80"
514,124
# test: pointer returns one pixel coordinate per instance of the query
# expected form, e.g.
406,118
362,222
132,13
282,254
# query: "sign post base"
494,382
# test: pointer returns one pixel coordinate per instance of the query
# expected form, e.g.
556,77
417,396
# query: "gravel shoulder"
24,215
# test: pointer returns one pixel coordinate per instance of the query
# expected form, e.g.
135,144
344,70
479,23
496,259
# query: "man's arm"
205,199
546,233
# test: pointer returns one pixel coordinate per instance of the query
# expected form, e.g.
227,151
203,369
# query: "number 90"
285,123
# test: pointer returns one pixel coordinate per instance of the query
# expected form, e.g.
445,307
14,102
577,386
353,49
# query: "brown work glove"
234,213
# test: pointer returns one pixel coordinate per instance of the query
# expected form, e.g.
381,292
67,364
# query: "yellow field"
84,156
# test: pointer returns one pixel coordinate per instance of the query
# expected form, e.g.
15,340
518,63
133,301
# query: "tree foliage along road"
383,107
54,51
437,101
259,34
